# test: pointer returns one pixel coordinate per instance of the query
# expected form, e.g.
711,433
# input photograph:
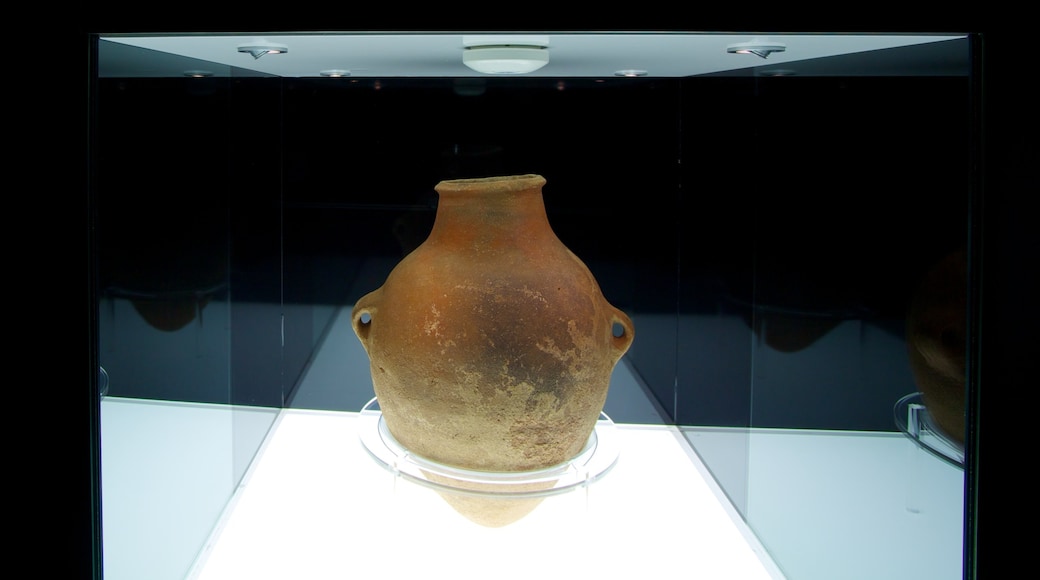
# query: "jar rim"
504,183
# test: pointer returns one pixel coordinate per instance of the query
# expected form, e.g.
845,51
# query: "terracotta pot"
491,345
490,505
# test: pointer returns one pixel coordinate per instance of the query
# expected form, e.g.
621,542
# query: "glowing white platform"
316,505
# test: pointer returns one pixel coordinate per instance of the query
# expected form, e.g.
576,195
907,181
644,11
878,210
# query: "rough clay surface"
491,344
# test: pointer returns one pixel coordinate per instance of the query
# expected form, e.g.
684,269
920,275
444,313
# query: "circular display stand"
915,422
596,459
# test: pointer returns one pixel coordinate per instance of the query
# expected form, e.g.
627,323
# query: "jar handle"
362,315
623,340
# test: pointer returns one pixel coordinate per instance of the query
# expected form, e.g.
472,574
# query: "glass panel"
184,405
841,207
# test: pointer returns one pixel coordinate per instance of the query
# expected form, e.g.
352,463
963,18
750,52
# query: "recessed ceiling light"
261,48
756,47
335,73
198,74
505,59
630,72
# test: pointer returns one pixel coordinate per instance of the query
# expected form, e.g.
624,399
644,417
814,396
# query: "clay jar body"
491,345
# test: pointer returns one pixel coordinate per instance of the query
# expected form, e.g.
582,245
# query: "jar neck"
487,218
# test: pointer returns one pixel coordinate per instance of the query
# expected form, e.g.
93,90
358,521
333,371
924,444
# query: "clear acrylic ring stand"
915,422
599,455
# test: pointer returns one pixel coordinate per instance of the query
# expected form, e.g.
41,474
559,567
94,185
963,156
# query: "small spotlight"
198,74
630,72
258,50
335,73
757,48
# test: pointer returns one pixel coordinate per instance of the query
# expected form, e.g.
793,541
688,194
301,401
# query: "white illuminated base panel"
316,505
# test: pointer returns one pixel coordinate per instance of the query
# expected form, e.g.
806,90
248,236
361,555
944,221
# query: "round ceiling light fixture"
505,59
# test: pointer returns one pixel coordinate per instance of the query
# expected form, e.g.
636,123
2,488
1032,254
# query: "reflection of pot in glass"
170,315
792,331
793,315
169,264
168,311
936,335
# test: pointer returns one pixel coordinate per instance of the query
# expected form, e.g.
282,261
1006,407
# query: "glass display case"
792,231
